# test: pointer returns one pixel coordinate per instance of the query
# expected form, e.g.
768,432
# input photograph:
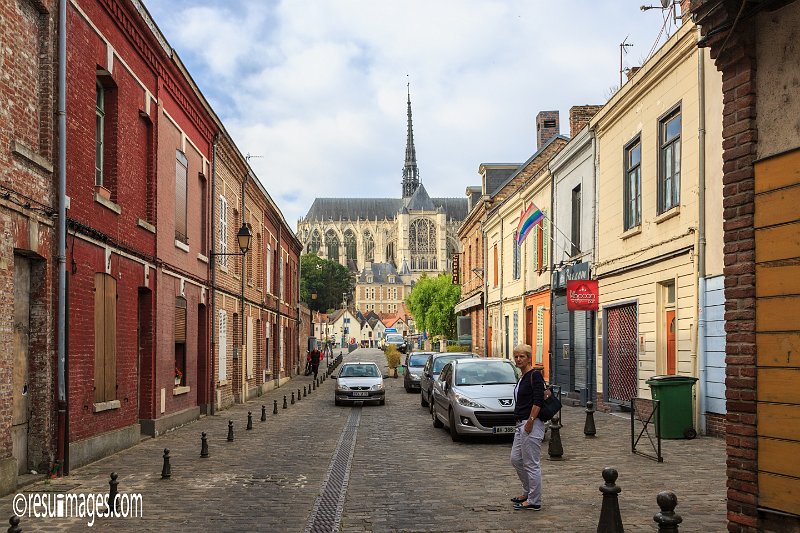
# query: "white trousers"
526,455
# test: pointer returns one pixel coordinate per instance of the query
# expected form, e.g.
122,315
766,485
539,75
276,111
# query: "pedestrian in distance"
316,355
527,448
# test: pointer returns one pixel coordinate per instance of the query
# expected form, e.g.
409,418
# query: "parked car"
415,362
475,397
359,382
396,340
431,371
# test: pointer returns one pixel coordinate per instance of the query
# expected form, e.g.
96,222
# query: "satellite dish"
666,3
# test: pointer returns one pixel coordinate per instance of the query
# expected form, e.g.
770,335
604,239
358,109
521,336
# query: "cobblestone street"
404,475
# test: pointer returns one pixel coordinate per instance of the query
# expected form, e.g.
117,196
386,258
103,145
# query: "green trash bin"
674,394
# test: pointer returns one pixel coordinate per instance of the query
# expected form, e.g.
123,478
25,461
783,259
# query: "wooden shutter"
495,265
181,172
223,345
99,338
545,241
105,337
111,338
536,249
180,320
223,230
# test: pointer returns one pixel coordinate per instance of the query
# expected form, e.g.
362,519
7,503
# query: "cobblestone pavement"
403,475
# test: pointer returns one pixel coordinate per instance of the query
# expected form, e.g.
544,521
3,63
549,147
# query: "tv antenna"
622,46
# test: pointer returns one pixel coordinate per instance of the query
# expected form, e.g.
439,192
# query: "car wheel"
337,402
453,431
407,390
430,402
422,401
436,422
382,402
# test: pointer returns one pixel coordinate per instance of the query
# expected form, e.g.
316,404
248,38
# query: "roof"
496,178
383,208
380,274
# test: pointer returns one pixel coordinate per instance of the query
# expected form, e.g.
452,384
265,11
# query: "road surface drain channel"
327,512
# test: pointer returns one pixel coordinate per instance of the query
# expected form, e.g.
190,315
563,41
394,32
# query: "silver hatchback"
430,373
359,382
475,397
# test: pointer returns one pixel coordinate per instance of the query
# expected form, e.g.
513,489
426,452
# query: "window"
259,251
99,133
281,347
269,268
422,243
105,338
201,179
516,328
181,172
350,249
105,124
669,168
633,185
223,231
282,278
495,266
332,243
539,333
316,242
180,341
369,247
516,260
267,358
222,372
576,221
235,335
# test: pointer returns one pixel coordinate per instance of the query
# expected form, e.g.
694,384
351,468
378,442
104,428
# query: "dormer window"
369,279
391,279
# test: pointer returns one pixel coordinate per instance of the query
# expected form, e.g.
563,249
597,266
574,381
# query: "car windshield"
439,363
394,338
485,373
359,371
418,359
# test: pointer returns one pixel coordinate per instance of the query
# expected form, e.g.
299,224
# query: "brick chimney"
546,127
579,117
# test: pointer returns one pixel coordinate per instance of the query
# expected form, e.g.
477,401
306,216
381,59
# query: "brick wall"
579,117
547,126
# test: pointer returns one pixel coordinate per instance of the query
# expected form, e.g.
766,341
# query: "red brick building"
27,239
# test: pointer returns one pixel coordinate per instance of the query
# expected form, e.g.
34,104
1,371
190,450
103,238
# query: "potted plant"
392,359
178,376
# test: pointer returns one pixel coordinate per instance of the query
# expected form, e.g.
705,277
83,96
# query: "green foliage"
431,302
392,356
327,279
459,348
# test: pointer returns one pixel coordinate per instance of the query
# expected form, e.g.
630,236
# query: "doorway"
20,380
621,355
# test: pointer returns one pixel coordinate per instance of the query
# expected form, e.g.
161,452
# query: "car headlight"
414,375
379,386
466,402
342,386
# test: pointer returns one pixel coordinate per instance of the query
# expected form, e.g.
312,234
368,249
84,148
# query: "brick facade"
547,127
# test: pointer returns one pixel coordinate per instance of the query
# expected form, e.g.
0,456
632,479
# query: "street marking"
327,512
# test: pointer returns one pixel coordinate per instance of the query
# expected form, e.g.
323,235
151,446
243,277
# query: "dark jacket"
315,357
530,392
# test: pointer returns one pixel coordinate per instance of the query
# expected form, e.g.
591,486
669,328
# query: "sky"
315,90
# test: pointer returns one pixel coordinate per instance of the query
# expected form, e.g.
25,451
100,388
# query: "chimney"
579,117
631,72
546,127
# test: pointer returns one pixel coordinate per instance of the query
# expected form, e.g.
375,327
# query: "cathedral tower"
410,170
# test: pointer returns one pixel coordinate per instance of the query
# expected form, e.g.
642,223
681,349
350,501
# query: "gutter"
212,265
62,435
701,244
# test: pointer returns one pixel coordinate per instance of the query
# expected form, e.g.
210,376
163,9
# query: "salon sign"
582,295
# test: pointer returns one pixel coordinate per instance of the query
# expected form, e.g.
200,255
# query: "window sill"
106,406
106,202
177,391
183,246
202,258
146,225
636,230
666,215
222,383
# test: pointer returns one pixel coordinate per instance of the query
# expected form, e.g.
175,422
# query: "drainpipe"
502,322
212,390
485,282
62,451
595,237
701,246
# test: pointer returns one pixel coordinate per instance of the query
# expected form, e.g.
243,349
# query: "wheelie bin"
674,394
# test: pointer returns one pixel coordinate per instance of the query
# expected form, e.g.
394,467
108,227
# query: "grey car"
359,382
431,371
415,362
396,340
475,397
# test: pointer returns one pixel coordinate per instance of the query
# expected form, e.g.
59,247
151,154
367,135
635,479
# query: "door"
672,360
621,353
529,326
505,349
489,341
562,352
20,403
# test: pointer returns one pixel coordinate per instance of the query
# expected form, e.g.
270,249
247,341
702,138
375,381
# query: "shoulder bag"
551,405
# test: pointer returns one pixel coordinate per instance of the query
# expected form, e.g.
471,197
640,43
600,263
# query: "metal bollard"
667,520
249,420
14,525
588,427
314,385
285,404
304,391
166,470
230,430
113,504
263,413
292,397
203,444
298,395
610,519
275,407
554,448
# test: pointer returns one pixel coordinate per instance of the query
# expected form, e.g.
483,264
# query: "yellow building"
649,248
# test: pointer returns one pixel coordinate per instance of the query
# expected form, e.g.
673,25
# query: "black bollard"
588,428
166,470
285,404
263,413
203,445
14,525
249,420
275,407
610,519
292,397
554,448
298,395
230,430
304,391
112,492
314,385
667,520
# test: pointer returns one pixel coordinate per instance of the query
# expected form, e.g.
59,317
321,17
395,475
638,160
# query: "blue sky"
317,88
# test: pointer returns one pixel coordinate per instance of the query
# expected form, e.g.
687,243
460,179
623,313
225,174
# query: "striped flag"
527,220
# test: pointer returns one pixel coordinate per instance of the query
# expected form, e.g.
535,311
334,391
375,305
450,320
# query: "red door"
672,360
489,340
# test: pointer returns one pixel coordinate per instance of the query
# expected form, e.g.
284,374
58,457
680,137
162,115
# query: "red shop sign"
582,295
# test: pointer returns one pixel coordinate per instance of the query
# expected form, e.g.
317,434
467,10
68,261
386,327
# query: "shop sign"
582,295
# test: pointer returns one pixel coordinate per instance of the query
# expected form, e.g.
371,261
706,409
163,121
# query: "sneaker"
529,507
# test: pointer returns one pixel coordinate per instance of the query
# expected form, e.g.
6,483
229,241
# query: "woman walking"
527,447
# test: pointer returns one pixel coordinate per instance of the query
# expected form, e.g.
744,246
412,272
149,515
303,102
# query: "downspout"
212,378
485,283
242,363
277,355
701,245
502,258
595,237
63,412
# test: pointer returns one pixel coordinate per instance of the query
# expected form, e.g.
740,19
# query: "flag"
527,220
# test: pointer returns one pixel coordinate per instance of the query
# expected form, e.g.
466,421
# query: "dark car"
396,340
415,362
432,369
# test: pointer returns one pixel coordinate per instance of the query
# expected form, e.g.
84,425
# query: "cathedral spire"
410,170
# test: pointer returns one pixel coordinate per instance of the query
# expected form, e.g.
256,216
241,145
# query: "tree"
327,279
432,301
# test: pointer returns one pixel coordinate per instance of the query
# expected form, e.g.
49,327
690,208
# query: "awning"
472,301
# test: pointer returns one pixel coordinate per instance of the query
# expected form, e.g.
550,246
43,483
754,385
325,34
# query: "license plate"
360,393
503,429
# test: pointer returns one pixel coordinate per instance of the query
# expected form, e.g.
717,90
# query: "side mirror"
386,376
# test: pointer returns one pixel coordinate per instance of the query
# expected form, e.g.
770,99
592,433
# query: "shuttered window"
496,273
223,230
181,173
282,279
223,345
537,256
268,262
281,347
545,241
105,338
539,333
180,319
